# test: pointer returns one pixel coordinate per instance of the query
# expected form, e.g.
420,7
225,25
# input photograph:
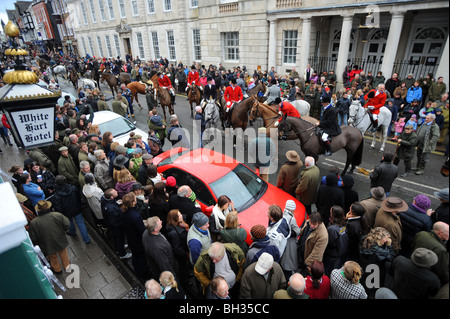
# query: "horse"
359,118
211,114
73,76
350,139
268,113
302,107
165,100
257,90
111,80
194,97
58,69
137,88
42,63
94,75
91,84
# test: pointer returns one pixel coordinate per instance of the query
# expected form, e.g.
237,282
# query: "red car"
211,174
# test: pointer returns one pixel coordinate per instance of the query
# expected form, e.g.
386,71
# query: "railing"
288,3
402,67
229,7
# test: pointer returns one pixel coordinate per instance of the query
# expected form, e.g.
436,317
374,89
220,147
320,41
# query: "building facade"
405,36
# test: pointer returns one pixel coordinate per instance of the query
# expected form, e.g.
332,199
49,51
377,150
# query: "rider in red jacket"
376,98
193,79
233,94
165,83
287,109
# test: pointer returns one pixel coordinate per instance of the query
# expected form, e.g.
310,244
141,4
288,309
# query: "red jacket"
233,95
193,77
288,109
377,102
164,81
5,122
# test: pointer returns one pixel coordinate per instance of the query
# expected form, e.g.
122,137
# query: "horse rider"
376,98
273,93
285,108
209,93
165,83
233,94
193,78
329,125
145,76
242,84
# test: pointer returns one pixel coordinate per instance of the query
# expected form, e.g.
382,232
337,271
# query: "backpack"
154,147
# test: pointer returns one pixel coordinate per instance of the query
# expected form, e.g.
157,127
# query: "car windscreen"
241,185
118,126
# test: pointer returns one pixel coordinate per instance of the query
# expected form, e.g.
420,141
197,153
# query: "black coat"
134,228
383,175
413,221
185,206
327,196
329,123
112,214
67,200
210,91
177,237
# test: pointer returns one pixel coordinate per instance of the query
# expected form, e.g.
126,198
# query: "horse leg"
374,140
383,138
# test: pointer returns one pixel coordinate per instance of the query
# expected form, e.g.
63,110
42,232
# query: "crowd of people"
175,248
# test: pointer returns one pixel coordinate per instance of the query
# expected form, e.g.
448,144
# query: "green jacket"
103,106
67,167
48,231
407,146
431,241
120,108
204,267
428,145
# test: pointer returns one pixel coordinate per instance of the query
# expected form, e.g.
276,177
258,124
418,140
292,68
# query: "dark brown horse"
195,97
165,101
73,76
350,139
113,83
269,114
257,90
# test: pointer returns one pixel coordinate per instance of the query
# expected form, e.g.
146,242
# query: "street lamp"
29,108
367,27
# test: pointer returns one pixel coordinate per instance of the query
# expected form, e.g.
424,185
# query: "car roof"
206,164
105,116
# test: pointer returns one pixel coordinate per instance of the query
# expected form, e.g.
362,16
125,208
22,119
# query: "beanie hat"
171,181
199,219
422,202
290,205
258,231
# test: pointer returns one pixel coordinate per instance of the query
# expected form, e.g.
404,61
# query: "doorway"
127,46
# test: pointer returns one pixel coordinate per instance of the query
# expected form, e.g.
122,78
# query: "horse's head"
353,111
254,112
284,129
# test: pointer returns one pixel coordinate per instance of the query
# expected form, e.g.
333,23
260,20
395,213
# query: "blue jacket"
414,93
33,193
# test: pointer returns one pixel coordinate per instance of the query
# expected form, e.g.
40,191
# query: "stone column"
393,39
272,58
443,67
344,47
305,43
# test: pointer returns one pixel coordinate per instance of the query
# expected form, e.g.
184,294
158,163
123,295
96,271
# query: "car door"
201,190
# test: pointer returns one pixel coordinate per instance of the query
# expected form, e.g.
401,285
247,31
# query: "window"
84,45
83,12
110,9
194,3
171,45
167,5
100,46
196,44
91,46
290,46
155,43
102,10
230,41
122,8
108,46
140,44
151,6
94,18
134,8
117,44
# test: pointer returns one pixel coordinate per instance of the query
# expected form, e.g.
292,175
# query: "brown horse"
165,101
136,88
113,83
269,113
350,139
73,76
195,98
257,90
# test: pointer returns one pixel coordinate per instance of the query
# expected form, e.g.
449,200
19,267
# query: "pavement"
98,273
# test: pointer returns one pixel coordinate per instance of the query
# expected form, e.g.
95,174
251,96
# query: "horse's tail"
357,157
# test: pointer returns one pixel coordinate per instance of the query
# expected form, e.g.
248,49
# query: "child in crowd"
412,121
399,125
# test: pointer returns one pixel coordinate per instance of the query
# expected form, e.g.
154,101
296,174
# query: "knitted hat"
258,231
290,205
442,194
171,181
422,202
199,219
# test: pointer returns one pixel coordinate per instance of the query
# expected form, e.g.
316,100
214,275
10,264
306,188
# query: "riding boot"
327,145
172,97
9,141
